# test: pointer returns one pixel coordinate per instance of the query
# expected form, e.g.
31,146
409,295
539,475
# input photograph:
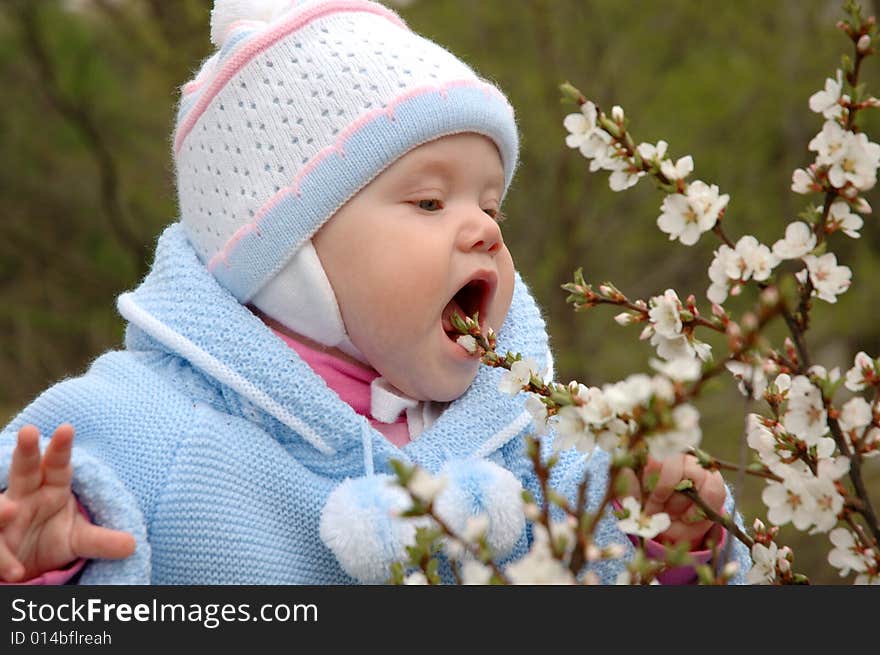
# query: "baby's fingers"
56,460
7,511
94,542
24,471
11,569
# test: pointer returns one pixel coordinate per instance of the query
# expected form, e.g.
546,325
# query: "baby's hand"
41,527
686,527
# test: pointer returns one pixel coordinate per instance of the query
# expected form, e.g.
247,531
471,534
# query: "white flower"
862,374
624,175
855,414
829,144
799,240
782,383
467,342
826,102
641,524
415,578
581,126
538,411
759,261
519,375
650,152
680,370
805,416
678,171
851,158
868,578
761,440
624,318
829,279
685,435
840,217
538,566
664,314
425,486
789,501
827,503
475,573
725,258
751,374
573,431
763,569
475,528
802,181
686,217
846,554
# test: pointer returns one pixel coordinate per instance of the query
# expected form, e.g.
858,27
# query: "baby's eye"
430,205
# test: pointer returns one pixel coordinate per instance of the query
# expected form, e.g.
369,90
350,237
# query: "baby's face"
415,244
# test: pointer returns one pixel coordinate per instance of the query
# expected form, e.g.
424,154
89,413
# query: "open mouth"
471,298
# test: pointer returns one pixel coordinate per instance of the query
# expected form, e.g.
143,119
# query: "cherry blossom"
679,170
846,554
855,414
685,435
686,217
862,374
805,416
803,181
840,217
652,153
851,158
753,374
799,240
763,569
639,524
829,280
762,440
789,501
425,486
539,566
538,411
826,102
665,314
519,375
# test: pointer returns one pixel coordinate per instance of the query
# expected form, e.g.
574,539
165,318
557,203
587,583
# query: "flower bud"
467,342
730,569
617,114
783,565
864,44
532,511
624,318
758,526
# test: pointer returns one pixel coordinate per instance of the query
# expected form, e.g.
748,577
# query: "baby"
340,182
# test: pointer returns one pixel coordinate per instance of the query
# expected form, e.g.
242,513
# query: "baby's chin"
439,391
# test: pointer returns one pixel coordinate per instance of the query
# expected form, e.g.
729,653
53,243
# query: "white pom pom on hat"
227,12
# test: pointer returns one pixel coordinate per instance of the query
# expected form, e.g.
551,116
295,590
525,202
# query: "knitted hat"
302,105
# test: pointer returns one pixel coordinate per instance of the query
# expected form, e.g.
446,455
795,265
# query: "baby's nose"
481,233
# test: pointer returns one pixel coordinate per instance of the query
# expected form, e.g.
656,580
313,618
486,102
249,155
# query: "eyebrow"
442,169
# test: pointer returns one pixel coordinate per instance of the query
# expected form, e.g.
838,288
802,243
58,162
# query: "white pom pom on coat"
478,486
360,525
226,12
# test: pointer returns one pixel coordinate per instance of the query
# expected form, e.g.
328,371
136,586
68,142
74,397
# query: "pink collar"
351,383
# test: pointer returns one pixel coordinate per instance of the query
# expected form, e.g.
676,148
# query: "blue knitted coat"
216,446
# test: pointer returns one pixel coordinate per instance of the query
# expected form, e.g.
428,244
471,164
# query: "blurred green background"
86,181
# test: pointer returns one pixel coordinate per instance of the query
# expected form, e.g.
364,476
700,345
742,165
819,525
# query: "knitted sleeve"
123,446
